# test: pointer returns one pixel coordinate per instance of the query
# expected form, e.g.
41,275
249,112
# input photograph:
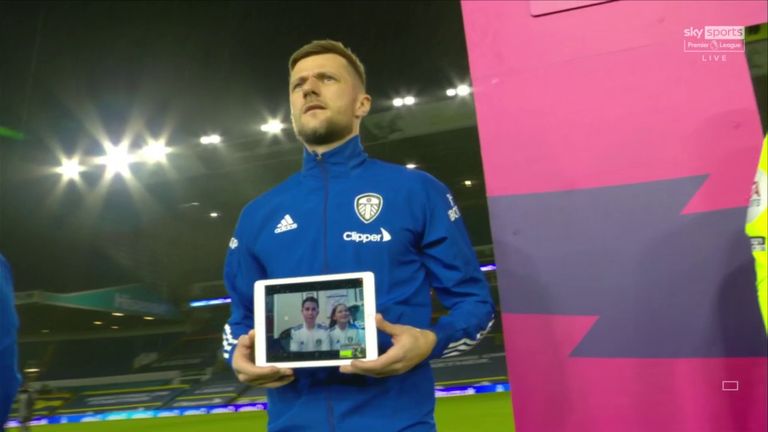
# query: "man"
414,241
309,336
757,221
9,376
26,401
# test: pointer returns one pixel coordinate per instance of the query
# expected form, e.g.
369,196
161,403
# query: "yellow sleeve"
757,225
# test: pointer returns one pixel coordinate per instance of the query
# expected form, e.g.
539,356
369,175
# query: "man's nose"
310,87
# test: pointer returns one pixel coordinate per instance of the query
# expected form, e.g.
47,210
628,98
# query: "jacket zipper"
325,211
329,402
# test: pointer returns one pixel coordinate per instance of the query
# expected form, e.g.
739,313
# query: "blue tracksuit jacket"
9,376
317,222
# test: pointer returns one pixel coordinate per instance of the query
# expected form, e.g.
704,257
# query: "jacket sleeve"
241,270
454,275
9,375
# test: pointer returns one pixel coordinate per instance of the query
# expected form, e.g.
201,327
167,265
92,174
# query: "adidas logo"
286,224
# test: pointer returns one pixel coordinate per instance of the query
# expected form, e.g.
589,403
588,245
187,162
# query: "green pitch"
488,412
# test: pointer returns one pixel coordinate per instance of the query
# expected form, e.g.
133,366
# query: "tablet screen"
316,321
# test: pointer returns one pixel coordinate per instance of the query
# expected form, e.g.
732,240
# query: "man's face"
327,99
309,311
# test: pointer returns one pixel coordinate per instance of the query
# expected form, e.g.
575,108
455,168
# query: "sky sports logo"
715,32
714,39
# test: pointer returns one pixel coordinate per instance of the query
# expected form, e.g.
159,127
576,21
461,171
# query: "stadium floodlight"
468,183
214,214
272,127
398,102
451,92
117,314
70,169
155,151
411,166
210,139
45,331
116,160
463,90
98,322
31,370
210,302
149,318
114,327
409,100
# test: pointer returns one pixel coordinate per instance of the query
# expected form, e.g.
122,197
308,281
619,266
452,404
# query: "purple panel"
664,284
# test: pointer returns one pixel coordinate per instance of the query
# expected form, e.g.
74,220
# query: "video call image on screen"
315,321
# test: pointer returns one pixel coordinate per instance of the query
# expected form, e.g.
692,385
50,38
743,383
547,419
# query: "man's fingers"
279,382
386,364
386,326
247,371
247,341
259,375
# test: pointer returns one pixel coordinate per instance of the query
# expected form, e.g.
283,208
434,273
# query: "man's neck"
342,326
309,326
320,149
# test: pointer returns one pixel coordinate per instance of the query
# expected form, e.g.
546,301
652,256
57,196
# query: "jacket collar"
338,162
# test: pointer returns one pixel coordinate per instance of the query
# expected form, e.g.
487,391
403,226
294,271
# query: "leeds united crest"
368,206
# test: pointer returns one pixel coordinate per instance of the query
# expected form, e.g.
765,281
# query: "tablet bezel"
369,318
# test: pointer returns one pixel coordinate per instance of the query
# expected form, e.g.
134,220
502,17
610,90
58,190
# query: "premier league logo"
318,342
350,339
368,206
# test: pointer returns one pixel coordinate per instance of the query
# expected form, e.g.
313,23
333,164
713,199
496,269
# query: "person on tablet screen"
343,333
310,336
345,212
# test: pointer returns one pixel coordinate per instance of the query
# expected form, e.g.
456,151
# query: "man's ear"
363,105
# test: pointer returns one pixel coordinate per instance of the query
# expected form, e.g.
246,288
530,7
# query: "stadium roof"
77,71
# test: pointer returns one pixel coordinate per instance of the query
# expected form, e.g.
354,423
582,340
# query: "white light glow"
468,183
463,90
70,169
451,92
409,100
31,370
214,214
117,314
397,102
149,318
410,166
272,126
210,139
154,152
116,160
114,327
98,322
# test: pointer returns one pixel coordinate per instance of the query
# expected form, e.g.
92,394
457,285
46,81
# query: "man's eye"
329,79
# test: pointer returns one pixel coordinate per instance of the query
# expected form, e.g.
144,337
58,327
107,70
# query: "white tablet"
311,321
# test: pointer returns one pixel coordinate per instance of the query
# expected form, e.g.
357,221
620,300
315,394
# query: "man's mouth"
312,107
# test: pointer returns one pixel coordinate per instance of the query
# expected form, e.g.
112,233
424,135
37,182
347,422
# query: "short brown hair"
328,46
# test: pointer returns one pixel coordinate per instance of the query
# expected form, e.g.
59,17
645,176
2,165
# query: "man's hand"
410,346
247,371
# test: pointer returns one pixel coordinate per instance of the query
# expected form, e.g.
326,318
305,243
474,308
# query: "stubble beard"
328,132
